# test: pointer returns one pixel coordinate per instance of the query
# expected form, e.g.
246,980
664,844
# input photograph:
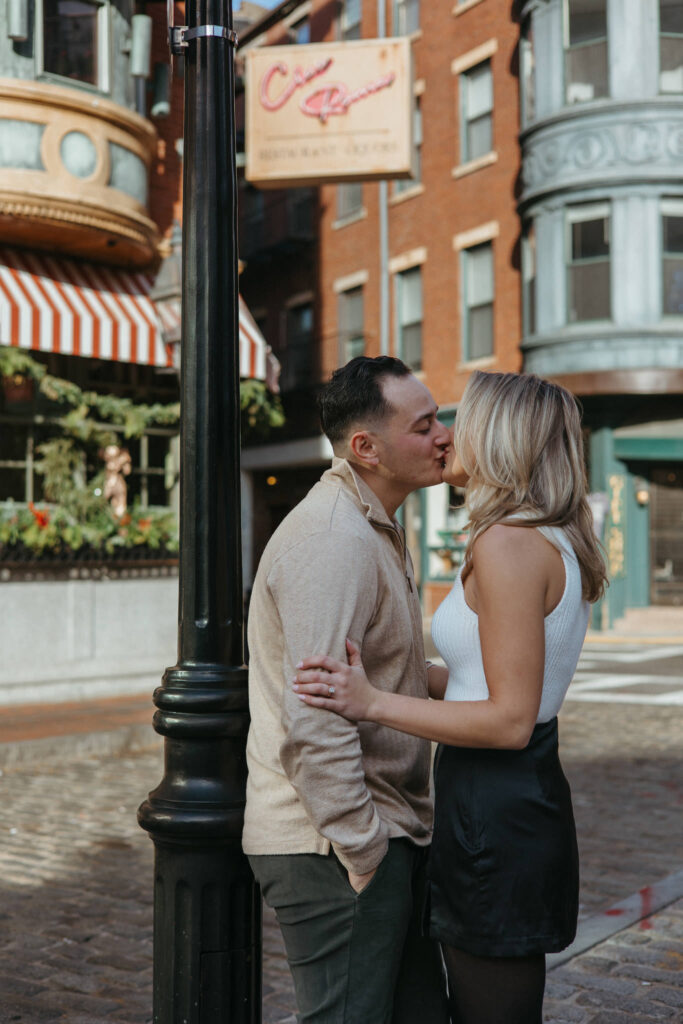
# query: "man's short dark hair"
354,395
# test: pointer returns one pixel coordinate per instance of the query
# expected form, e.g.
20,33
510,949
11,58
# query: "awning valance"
85,309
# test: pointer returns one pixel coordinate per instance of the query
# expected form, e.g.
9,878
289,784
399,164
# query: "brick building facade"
453,259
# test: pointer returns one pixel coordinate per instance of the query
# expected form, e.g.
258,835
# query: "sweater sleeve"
326,589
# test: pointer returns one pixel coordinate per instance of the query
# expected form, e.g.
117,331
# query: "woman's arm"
511,572
437,680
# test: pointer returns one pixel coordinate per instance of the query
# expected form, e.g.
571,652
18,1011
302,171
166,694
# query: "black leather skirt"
503,868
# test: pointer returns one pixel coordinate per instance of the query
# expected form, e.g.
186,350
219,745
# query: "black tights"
495,990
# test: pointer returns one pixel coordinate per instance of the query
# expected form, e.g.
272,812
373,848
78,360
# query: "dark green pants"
356,958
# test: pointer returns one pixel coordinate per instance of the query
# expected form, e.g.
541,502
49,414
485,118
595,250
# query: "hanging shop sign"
329,112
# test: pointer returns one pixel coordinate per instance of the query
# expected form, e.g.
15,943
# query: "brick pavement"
75,889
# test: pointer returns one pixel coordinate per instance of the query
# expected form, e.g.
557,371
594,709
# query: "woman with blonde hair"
503,871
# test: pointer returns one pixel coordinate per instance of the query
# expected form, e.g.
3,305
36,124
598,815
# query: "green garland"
82,519
261,410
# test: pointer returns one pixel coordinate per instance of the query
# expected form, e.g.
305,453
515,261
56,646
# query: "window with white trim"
405,184
588,263
529,277
408,284
672,258
476,100
406,17
670,46
351,324
586,69
349,199
73,40
478,296
350,19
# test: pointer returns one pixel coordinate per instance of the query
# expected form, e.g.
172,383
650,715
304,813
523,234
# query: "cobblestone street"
76,910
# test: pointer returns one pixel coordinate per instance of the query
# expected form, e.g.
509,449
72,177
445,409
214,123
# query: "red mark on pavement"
646,907
613,912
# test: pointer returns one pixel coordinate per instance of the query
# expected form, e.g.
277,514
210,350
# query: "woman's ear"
363,448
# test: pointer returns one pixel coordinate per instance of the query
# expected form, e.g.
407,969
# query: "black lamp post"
207,967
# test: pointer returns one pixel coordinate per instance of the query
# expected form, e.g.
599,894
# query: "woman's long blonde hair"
519,439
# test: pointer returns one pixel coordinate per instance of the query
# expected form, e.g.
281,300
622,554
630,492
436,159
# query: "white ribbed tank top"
455,631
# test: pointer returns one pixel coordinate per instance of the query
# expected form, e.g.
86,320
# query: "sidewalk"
76,870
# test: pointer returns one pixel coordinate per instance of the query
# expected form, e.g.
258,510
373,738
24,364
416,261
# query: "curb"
127,739
636,908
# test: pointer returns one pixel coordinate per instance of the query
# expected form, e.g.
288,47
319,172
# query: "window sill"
410,193
343,222
461,8
475,165
413,37
476,364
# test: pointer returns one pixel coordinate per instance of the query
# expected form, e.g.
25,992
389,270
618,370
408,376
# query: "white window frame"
415,267
399,8
104,45
345,27
577,215
667,208
342,295
404,185
668,35
465,156
467,305
567,49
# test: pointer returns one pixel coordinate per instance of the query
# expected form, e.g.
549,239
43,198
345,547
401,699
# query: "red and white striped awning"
84,309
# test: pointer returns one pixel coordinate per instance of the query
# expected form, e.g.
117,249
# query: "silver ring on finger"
330,691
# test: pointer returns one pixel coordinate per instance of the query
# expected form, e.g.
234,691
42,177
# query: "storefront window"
409,318
476,87
586,50
351,326
672,259
589,264
670,46
478,301
74,40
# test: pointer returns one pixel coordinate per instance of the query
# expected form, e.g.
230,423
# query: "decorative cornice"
605,147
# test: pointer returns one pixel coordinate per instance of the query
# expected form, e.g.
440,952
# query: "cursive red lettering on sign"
335,98
298,79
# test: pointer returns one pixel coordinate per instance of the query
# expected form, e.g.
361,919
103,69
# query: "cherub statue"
117,463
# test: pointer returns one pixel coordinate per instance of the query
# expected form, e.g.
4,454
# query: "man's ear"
363,448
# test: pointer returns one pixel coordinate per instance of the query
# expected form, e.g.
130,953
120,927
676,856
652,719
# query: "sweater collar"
343,474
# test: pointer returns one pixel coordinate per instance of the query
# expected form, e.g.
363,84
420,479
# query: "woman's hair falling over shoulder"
519,438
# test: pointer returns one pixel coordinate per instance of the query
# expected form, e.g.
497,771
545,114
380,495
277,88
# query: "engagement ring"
330,691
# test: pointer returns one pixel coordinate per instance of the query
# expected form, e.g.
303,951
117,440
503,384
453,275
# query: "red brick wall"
446,206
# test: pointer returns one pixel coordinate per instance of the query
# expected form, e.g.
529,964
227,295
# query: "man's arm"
325,590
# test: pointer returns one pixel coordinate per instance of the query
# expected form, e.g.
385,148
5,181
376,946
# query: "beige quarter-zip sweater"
336,567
